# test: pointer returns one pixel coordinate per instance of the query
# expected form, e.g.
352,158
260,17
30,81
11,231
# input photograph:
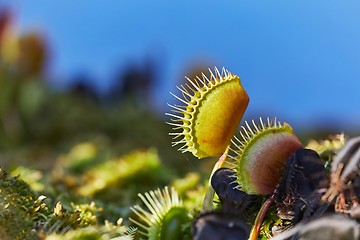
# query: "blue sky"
298,60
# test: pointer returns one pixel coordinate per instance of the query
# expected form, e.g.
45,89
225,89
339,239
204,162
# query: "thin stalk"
260,217
209,196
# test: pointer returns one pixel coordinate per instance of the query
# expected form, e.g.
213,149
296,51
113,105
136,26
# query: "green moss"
20,208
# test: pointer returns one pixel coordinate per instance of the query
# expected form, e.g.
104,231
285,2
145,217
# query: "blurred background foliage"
37,121
79,147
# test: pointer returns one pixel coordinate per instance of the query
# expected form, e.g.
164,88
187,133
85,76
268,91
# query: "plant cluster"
266,183
272,182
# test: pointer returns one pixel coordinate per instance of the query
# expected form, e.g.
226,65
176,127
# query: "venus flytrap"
260,157
212,109
261,154
205,123
165,217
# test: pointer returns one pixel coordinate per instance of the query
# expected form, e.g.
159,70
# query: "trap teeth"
261,154
212,109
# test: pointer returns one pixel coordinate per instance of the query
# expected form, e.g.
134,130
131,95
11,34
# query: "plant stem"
260,217
209,196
